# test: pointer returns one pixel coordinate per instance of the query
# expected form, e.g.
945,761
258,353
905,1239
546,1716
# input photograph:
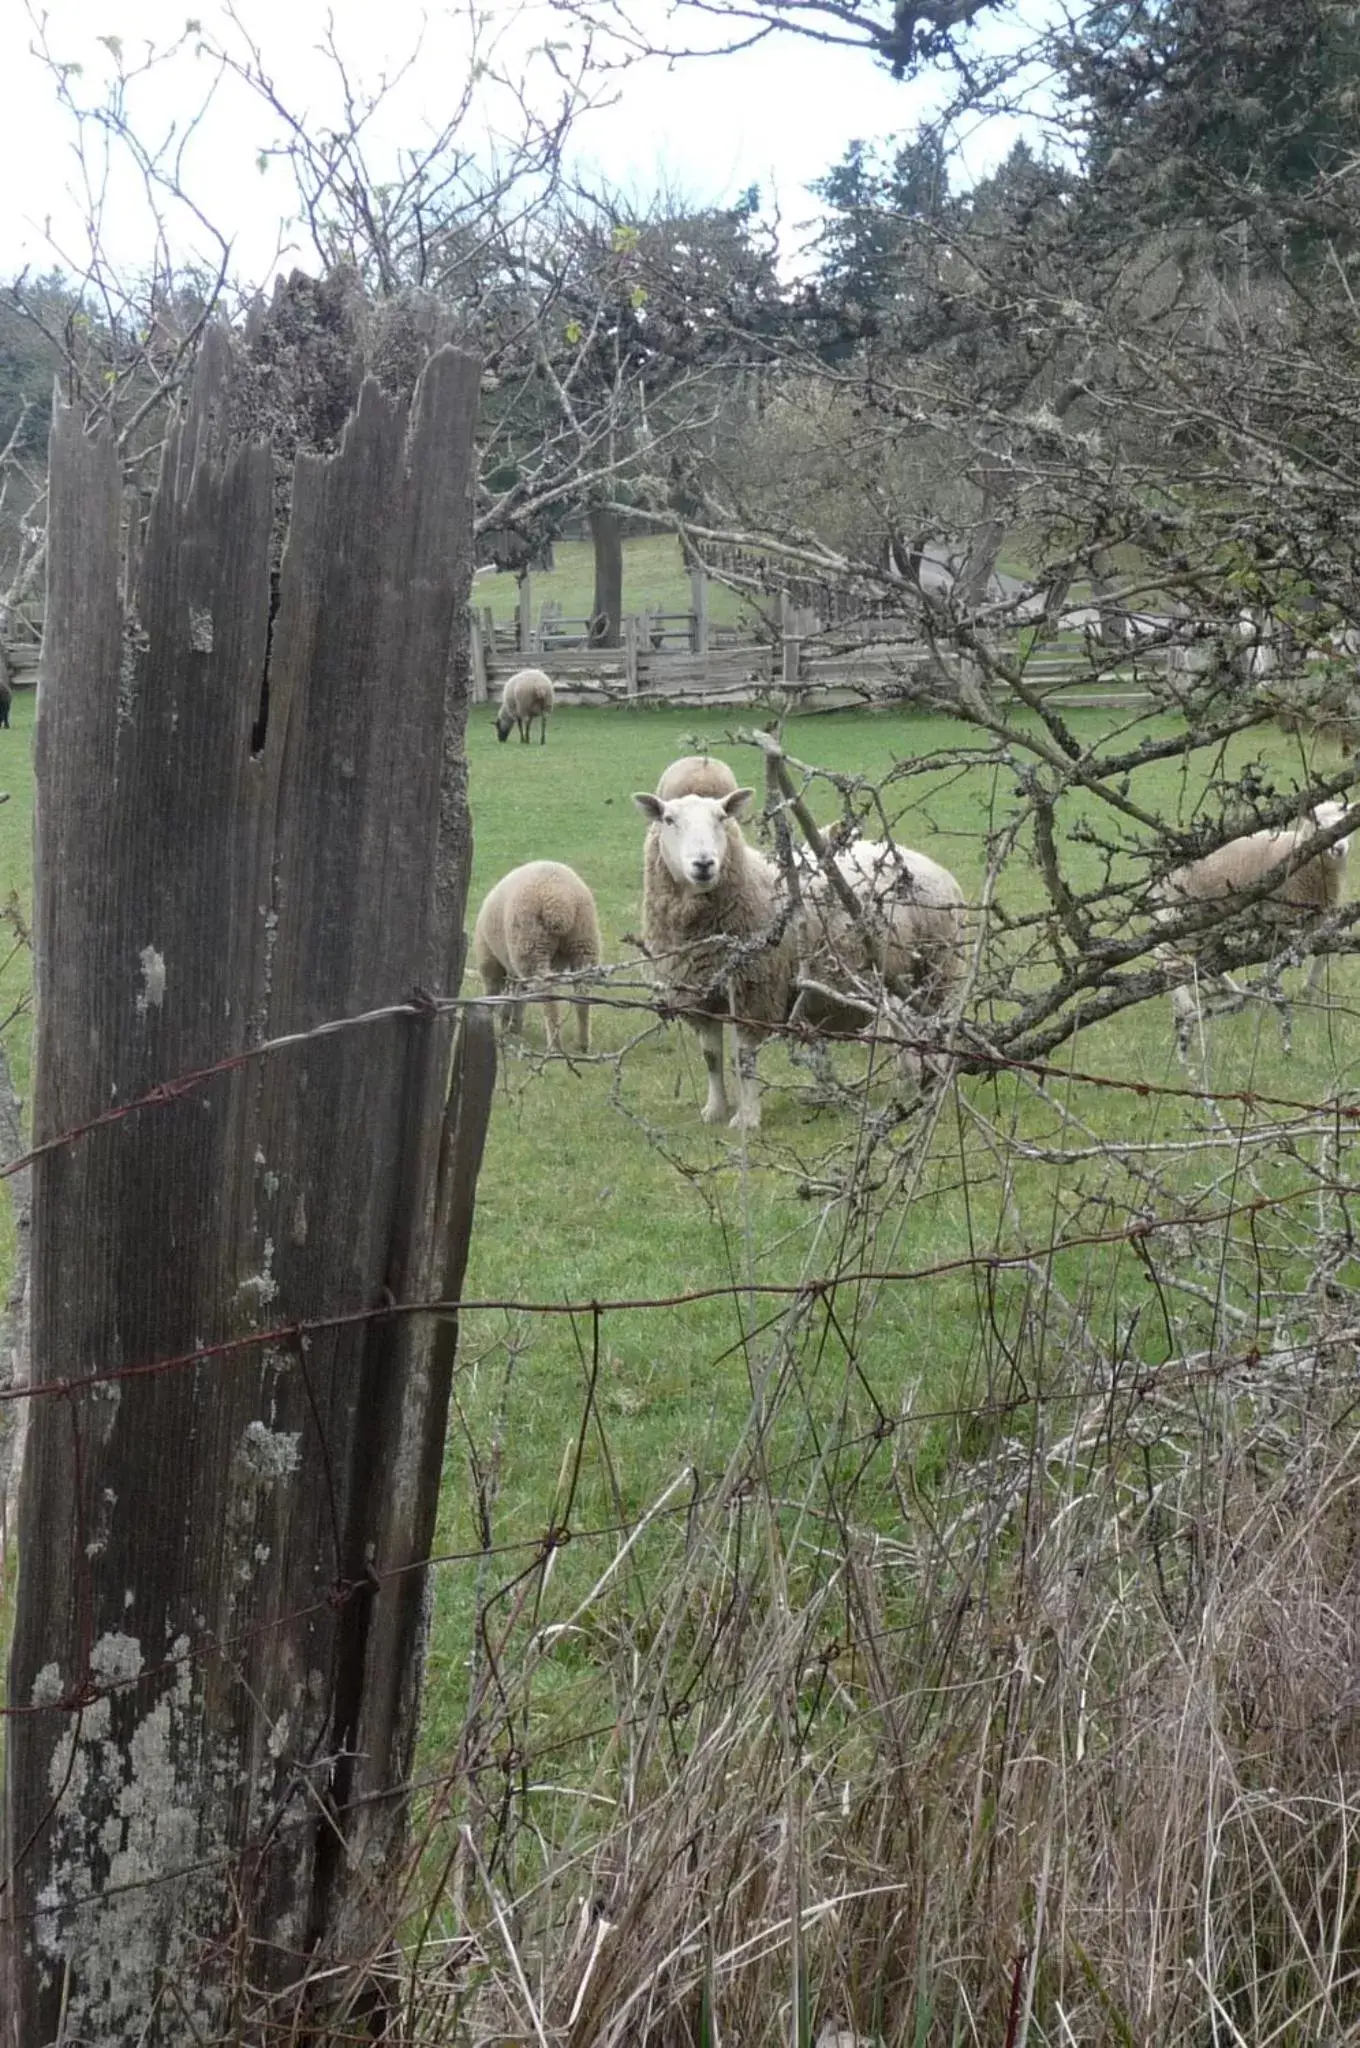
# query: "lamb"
726,939
696,775
528,694
539,920
1310,891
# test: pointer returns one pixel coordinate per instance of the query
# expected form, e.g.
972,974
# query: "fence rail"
681,657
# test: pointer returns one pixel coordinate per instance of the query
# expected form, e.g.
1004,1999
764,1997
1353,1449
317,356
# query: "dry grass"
1034,1720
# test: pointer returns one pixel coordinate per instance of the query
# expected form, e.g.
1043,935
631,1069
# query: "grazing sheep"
528,694
696,775
538,921
1308,892
726,940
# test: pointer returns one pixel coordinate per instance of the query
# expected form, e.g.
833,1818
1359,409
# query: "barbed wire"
1139,1385
297,1332
944,1043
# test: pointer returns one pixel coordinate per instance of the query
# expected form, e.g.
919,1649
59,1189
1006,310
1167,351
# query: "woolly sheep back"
696,775
538,921
1315,887
1317,884
912,931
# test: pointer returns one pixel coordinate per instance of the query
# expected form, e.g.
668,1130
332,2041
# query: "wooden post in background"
526,618
791,645
698,589
250,821
631,638
477,660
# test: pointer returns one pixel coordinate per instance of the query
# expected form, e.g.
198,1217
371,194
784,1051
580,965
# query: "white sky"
776,117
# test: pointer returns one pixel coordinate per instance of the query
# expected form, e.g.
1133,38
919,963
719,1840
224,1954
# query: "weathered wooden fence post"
525,617
631,654
476,660
698,595
251,821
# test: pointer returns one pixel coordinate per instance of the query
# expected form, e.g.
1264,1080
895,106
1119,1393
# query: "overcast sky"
776,117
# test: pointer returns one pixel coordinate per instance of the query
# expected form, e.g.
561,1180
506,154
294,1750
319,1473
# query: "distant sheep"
726,939
1313,889
538,921
696,775
528,695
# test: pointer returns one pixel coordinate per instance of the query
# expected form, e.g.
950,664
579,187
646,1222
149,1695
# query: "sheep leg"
747,1117
583,1026
1279,1001
535,972
815,1055
543,730
495,981
715,1109
1186,1016
525,728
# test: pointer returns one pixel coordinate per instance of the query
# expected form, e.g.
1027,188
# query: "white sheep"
911,931
726,939
1307,893
528,694
696,775
538,921
720,935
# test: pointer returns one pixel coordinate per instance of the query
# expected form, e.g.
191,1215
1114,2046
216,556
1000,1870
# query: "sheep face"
694,840
1329,813
504,721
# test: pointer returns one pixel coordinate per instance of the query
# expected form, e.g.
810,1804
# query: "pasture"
600,1183
912,1531
654,580
715,1571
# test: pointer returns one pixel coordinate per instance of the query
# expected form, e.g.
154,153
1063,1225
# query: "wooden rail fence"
682,657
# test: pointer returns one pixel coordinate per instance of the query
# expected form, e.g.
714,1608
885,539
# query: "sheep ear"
736,802
652,805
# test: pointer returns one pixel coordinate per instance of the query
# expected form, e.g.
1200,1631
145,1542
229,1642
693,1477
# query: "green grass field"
600,1182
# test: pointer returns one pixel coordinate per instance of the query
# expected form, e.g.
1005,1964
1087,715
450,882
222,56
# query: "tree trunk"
606,618
251,820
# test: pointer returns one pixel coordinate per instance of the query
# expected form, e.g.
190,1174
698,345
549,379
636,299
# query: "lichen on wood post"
251,821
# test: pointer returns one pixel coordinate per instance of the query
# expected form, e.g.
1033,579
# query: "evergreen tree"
1205,108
